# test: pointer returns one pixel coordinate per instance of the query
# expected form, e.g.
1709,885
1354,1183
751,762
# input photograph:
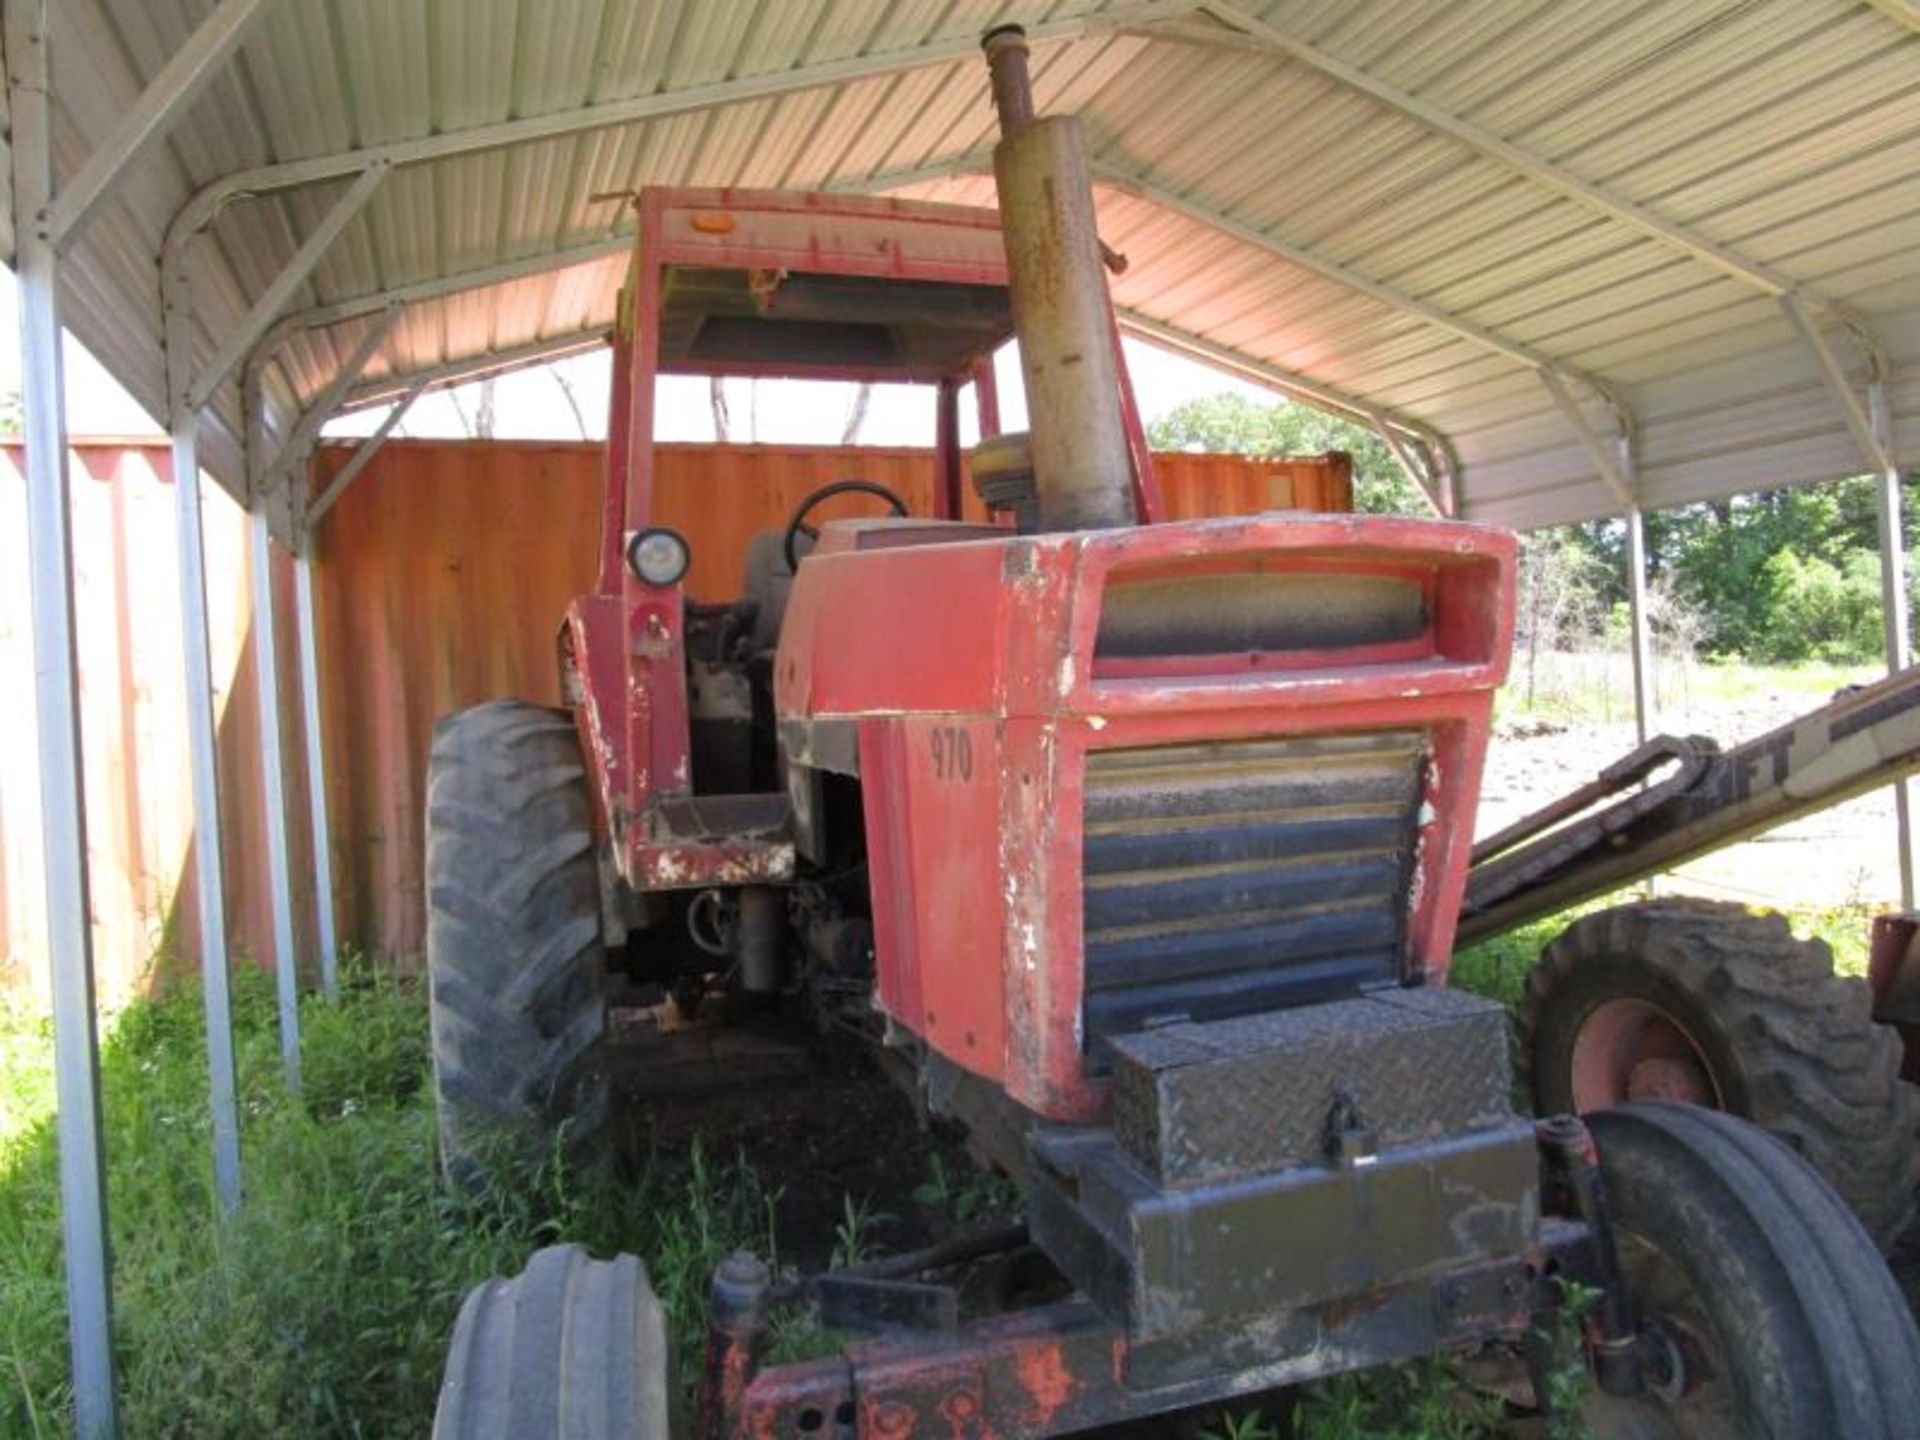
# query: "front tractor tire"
516,964
1767,1312
571,1348
1719,1006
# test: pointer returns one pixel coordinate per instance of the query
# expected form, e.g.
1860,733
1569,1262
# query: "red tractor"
1137,847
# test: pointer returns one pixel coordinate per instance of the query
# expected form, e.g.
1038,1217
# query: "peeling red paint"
1023,687
1044,1375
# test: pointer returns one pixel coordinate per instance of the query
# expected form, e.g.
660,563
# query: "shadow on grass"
324,1306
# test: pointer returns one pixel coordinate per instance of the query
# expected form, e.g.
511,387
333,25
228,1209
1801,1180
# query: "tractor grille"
1245,876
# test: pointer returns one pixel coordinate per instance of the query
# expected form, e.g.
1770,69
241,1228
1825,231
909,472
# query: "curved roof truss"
1563,250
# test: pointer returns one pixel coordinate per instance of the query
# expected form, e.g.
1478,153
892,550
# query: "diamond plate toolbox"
1201,1103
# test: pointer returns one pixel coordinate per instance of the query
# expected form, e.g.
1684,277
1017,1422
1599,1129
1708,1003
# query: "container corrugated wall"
133,737
440,579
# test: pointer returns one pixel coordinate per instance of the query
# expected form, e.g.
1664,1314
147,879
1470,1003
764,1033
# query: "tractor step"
693,841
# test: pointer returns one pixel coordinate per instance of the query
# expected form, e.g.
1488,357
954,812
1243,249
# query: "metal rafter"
201,209
144,122
1520,353
1144,187
361,456
205,205
290,277
355,306
1901,12
473,367
1858,421
297,445
453,283
1245,31
974,162
1278,377
1612,457
1871,426
1417,464
540,352
1434,483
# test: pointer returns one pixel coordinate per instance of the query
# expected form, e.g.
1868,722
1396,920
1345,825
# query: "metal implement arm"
1547,862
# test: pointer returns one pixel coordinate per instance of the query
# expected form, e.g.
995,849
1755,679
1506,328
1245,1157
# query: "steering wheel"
798,526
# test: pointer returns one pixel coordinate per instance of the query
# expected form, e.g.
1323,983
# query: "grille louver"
1243,876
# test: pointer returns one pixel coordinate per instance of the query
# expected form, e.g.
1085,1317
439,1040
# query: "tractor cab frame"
771,285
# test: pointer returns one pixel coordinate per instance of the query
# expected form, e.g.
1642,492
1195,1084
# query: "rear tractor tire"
1767,1312
571,1348
515,960
1718,1006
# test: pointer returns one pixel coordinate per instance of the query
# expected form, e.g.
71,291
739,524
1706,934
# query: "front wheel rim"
1694,1399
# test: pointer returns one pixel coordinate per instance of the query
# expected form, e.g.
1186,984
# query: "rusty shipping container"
439,582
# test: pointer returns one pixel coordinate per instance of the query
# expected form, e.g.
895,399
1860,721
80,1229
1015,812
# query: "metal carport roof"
1586,253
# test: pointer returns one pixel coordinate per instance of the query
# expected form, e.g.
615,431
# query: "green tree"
1784,574
1777,575
1820,611
1232,424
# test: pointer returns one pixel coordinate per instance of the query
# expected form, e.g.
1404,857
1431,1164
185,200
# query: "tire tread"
515,958
1819,1073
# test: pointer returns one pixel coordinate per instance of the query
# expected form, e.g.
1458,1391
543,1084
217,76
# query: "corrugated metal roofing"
1289,180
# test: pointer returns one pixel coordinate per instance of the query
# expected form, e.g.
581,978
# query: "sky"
535,405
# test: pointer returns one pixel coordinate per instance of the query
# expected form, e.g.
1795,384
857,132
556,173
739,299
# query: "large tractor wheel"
571,1348
515,961
1718,1006
1772,1315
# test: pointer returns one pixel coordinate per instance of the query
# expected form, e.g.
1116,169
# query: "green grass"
1422,1400
1597,687
323,1308
26,1072
1497,968
1814,679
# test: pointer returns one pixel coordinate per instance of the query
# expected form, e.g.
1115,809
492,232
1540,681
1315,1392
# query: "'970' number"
952,753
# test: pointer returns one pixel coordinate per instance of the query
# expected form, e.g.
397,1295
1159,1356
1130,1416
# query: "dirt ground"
817,1120
1846,855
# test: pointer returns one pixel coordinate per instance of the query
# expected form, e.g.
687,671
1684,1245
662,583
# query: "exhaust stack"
1082,469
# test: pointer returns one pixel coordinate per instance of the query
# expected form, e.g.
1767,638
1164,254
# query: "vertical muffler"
1083,474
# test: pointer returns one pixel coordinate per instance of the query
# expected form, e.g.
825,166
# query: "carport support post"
1642,638
316,769
202,757
1893,605
273,790
1872,429
83,1197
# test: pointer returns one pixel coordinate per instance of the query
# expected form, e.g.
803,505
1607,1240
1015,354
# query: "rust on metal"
1893,975
139,804
1063,1368
1083,472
